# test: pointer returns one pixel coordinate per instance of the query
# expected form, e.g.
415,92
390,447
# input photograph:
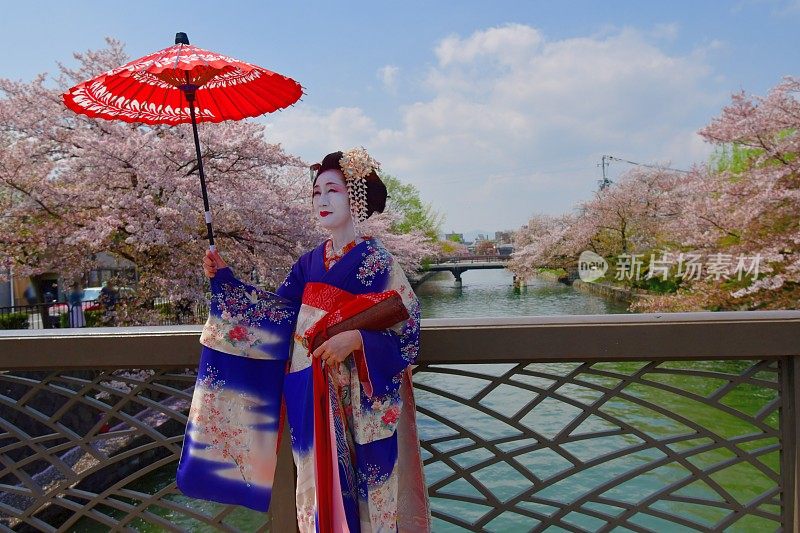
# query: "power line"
520,174
605,161
659,167
526,172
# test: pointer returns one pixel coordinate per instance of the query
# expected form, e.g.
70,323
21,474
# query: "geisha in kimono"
354,439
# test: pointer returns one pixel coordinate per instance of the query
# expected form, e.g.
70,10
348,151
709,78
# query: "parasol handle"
189,91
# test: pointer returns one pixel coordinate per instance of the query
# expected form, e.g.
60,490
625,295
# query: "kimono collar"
330,257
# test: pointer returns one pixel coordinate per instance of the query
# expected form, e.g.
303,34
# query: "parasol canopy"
182,84
154,88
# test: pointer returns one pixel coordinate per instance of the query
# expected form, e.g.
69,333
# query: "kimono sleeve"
386,353
292,287
229,451
245,320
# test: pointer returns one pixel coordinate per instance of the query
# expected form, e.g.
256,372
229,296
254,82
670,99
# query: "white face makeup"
330,201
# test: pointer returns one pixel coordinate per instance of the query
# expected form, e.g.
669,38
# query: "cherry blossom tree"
409,249
745,205
545,241
77,186
630,213
742,206
72,187
755,210
626,216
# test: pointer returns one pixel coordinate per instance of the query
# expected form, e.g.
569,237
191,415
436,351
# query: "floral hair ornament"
356,165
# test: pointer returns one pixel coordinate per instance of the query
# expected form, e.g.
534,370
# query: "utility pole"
604,162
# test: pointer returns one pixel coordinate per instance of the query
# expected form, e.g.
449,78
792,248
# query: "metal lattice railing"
688,423
648,446
86,449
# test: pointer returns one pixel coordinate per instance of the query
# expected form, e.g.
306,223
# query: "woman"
376,482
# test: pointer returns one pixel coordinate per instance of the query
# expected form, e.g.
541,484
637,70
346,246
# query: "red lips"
324,213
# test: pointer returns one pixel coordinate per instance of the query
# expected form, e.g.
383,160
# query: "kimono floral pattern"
375,417
234,323
375,260
305,497
248,307
223,333
305,516
218,422
409,336
408,330
380,490
365,433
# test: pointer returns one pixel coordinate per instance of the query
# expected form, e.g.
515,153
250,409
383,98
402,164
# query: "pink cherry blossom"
745,210
72,187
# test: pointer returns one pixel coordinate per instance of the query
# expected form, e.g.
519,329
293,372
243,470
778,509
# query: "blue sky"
494,110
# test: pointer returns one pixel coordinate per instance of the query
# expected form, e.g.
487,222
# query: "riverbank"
599,288
551,276
619,294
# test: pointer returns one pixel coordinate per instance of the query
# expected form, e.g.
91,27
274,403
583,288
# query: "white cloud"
516,123
312,133
511,44
388,76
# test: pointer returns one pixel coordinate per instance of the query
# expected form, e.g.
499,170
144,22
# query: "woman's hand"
212,262
335,350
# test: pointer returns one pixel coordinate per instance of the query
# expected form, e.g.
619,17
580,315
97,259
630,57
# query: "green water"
663,406
490,293
566,389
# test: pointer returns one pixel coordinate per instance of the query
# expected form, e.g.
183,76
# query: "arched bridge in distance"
457,265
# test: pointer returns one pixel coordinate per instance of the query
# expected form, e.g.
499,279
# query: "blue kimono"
378,484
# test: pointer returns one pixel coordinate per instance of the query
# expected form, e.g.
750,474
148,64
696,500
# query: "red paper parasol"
159,88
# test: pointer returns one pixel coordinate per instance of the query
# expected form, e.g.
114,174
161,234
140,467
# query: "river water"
489,293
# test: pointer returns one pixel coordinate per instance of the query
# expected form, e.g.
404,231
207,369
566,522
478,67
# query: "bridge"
459,264
641,422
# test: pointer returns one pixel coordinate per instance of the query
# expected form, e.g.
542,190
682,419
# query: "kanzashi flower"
357,163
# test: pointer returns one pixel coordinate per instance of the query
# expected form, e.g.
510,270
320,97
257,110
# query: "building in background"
25,288
504,237
505,249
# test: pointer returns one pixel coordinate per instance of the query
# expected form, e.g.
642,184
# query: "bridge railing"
649,422
472,258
